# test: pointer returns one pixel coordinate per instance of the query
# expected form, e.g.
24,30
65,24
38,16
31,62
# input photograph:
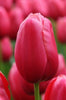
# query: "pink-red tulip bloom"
56,90
40,6
6,4
61,65
61,29
6,49
16,17
15,81
35,58
4,22
25,5
55,8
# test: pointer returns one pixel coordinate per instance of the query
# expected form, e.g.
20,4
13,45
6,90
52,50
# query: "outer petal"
51,50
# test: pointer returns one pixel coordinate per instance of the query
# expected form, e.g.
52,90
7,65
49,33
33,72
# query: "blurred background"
12,14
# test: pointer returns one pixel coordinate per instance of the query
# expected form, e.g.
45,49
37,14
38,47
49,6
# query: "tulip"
25,5
61,30
4,91
16,17
35,58
6,49
4,22
6,4
64,8
61,65
56,8
15,81
56,90
43,8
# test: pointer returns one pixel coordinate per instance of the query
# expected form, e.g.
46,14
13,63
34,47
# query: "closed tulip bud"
4,91
35,58
16,17
56,90
6,4
61,30
15,81
4,22
6,49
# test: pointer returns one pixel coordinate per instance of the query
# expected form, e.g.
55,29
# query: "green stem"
36,91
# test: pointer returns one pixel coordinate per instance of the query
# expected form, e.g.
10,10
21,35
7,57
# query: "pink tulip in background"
6,4
6,49
16,17
26,86
56,8
4,22
25,5
15,81
61,29
61,65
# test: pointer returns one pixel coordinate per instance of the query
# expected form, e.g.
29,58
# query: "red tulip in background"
56,90
35,58
4,22
61,30
15,81
4,91
6,4
6,49
16,17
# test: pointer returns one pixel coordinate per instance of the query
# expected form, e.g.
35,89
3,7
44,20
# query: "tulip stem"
36,91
